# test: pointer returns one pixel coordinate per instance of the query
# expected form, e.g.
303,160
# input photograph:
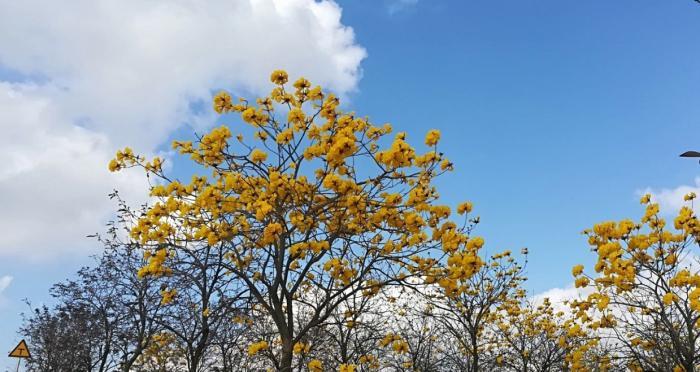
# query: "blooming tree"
309,210
471,307
645,293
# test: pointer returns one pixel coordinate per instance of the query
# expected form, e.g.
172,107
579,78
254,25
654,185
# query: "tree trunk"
475,353
287,356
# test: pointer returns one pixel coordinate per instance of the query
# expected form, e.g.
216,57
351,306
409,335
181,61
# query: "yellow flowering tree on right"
644,290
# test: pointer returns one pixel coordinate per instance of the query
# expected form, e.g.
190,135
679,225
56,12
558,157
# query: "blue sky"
556,113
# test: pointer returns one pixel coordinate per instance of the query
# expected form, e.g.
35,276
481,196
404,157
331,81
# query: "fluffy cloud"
671,200
53,182
105,74
130,68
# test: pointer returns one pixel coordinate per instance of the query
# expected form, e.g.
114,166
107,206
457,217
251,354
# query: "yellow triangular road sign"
20,351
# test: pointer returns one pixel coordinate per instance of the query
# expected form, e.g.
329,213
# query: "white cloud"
671,200
557,296
117,73
5,282
130,68
54,182
395,6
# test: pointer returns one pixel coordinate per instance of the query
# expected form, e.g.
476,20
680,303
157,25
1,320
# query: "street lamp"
690,154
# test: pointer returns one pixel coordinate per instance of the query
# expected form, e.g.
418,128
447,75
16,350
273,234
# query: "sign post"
21,351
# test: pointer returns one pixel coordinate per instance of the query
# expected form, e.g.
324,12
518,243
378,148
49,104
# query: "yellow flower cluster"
222,102
685,279
465,207
340,270
212,146
271,233
315,365
669,298
258,156
124,158
371,361
301,348
399,155
167,296
398,344
400,347
432,138
279,77
257,347
300,250
156,264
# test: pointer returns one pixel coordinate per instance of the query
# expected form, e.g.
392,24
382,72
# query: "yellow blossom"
257,347
669,298
300,348
465,207
315,365
646,198
167,296
258,156
279,77
222,102
432,138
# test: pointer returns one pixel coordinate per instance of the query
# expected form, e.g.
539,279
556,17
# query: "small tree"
645,293
69,338
200,301
417,339
351,335
531,338
137,301
310,212
470,308
104,318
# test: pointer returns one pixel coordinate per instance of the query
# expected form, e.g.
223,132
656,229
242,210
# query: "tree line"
315,241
